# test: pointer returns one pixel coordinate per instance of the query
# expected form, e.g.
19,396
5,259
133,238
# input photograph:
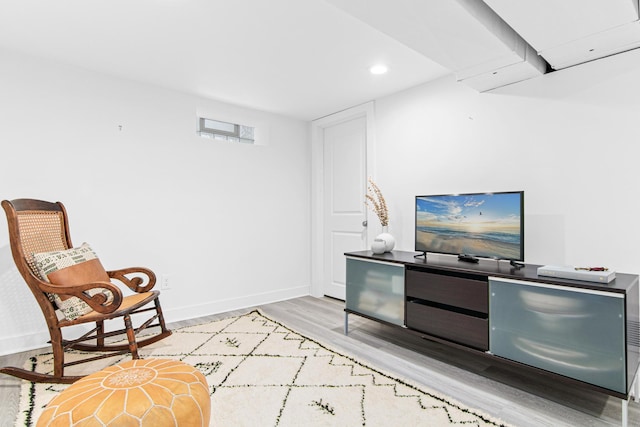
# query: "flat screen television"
487,225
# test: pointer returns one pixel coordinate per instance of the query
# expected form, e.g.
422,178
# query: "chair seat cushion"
129,302
74,266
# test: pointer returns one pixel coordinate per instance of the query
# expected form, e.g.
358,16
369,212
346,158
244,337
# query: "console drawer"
457,327
454,291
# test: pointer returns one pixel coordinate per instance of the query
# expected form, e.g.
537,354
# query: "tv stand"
468,258
583,334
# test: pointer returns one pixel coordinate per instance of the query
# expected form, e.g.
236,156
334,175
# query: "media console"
583,333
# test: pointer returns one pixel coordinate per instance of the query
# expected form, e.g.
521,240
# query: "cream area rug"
263,373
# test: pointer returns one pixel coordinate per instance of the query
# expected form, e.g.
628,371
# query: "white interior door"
344,148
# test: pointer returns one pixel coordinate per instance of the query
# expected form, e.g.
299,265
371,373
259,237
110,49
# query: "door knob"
364,223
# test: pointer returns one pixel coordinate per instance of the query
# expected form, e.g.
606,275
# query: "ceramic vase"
378,246
389,240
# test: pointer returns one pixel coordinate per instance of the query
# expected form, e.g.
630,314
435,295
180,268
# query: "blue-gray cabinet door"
579,333
376,289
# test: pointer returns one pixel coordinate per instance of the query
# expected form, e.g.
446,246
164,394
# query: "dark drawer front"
455,291
460,328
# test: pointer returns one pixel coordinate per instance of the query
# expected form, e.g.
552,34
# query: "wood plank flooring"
502,391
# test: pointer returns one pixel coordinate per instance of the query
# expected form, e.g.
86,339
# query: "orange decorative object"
141,392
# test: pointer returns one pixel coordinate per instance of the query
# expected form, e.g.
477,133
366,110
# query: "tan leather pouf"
142,392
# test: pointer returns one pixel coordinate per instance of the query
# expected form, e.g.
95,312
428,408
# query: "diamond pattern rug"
263,373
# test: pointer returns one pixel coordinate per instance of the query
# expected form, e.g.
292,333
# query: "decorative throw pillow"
74,266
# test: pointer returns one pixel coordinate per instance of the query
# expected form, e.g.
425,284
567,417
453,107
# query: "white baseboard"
221,306
17,344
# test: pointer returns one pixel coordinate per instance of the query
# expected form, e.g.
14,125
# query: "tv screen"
488,225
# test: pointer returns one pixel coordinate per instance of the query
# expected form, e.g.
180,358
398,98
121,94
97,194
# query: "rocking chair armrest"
142,280
97,302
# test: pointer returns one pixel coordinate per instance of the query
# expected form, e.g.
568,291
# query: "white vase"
389,240
378,246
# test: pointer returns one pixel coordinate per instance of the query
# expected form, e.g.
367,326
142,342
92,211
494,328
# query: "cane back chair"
37,226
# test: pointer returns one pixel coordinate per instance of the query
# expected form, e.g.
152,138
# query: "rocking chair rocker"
37,227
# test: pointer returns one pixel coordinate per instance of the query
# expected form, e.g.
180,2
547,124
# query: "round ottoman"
142,392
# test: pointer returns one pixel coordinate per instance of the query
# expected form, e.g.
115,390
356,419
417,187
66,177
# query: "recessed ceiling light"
379,69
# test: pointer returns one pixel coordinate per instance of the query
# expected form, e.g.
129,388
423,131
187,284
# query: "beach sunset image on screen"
485,225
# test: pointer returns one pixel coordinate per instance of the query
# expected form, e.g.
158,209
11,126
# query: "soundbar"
565,272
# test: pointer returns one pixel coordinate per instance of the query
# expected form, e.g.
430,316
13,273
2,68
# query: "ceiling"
300,58
494,43
309,58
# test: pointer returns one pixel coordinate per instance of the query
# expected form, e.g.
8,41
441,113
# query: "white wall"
574,153
228,223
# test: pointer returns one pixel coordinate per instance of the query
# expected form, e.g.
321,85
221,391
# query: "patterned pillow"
74,266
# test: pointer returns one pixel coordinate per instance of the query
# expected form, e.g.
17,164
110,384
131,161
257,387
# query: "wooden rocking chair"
37,227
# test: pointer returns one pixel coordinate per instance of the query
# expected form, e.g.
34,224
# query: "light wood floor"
501,391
